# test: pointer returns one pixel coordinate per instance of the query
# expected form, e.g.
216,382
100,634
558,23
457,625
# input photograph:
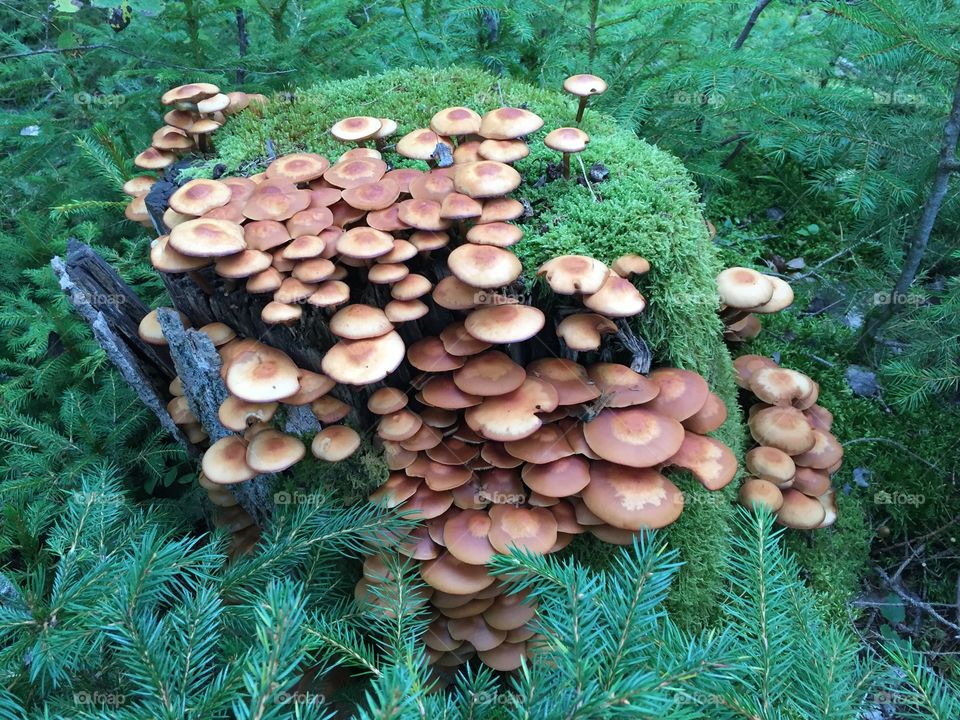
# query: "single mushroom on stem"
567,140
583,86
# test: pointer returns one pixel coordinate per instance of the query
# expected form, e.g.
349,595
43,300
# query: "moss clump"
648,205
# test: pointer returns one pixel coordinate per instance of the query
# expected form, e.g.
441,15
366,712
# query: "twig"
751,21
914,601
587,179
929,535
899,446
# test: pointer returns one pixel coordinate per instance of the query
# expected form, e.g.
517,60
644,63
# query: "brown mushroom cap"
354,171
456,206
312,386
329,409
335,443
359,322
496,455
510,612
356,129
617,297
272,451
513,416
165,259
634,436
236,413
488,374
747,365
420,144
298,167
242,264
545,445
453,576
387,400
465,537
743,288
139,185
475,631
455,121
199,196
400,311
780,386
498,234
567,140
207,238
153,159
507,123
630,264
457,341
583,331
500,209
192,92
505,657
434,185
330,293
708,418
769,463
361,362
276,199
811,482
484,266
682,394
454,294
485,179
782,297
757,492
572,274
630,498
398,488
585,85
622,386
399,425
373,196
262,374
429,355
710,461
423,215
825,453
505,151
799,511
784,428
560,478
568,378
531,529
502,324
440,391
225,462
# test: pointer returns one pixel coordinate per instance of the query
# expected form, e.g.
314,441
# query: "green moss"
648,205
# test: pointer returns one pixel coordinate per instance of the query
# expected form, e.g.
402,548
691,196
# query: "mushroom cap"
355,171
310,221
484,266
811,482
453,576
404,176
819,417
743,288
399,425
682,394
139,185
423,439
312,386
292,290
781,386
429,355
199,196
505,657
829,502
560,478
434,185
355,129
488,374
500,209
420,144
387,400
510,612
335,443
265,234
243,264
276,199
475,631
153,159
513,416
165,259
360,322
457,341
272,451
757,492
507,123
568,378
708,418
225,461
457,206
262,374
422,214
373,195
531,529
298,167
364,243
453,451
634,436
426,504
398,488
502,324
454,294
622,386
630,498
455,121
442,477
400,311
330,293
207,238
710,461
498,234
825,453
485,179
545,445
465,537
440,391
585,85
782,297
746,365
361,362
572,274
769,463
192,92
567,140
799,511
617,297
630,264
236,414
505,151
784,428
495,453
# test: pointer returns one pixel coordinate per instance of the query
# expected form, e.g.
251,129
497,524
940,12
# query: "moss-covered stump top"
647,205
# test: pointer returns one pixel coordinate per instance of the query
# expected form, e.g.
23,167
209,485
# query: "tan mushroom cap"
399,425
457,341
560,478
485,179
153,159
747,365
617,297
811,482
374,195
545,445
429,355
457,206
498,234
829,502
440,391
192,92
165,259
199,196
401,311
204,126
514,415
207,238
355,171
236,414
510,612
420,144
475,631
292,290
505,151
387,128
799,511
708,418
568,378
335,443
623,386
330,293
743,288
455,121
312,386
455,577
422,214
454,294
782,297
242,264
303,247
710,461
398,488
682,394
272,451
404,176
567,140
361,362
423,439
572,274
474,607
442,477
630,498
784,428
276,199
507,123
387,400
484,266
756,492
505,657
262,375
630,264
781,386
530,529
356,129
310,221
149,329
364,243
825,453
465,537
403,250
387,273
360,322
488,374
298,167
139,185
500,209
265,234
585,85
225,462
769,463
434,185
634,436
502,324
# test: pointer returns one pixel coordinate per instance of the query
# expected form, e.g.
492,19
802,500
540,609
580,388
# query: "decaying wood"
113,312
198,365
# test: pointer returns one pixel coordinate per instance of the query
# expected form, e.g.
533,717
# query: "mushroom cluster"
495,436
797,454
745,294
197,110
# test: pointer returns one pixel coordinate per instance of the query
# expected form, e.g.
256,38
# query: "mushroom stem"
730,315
361,143
566,166
580,109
